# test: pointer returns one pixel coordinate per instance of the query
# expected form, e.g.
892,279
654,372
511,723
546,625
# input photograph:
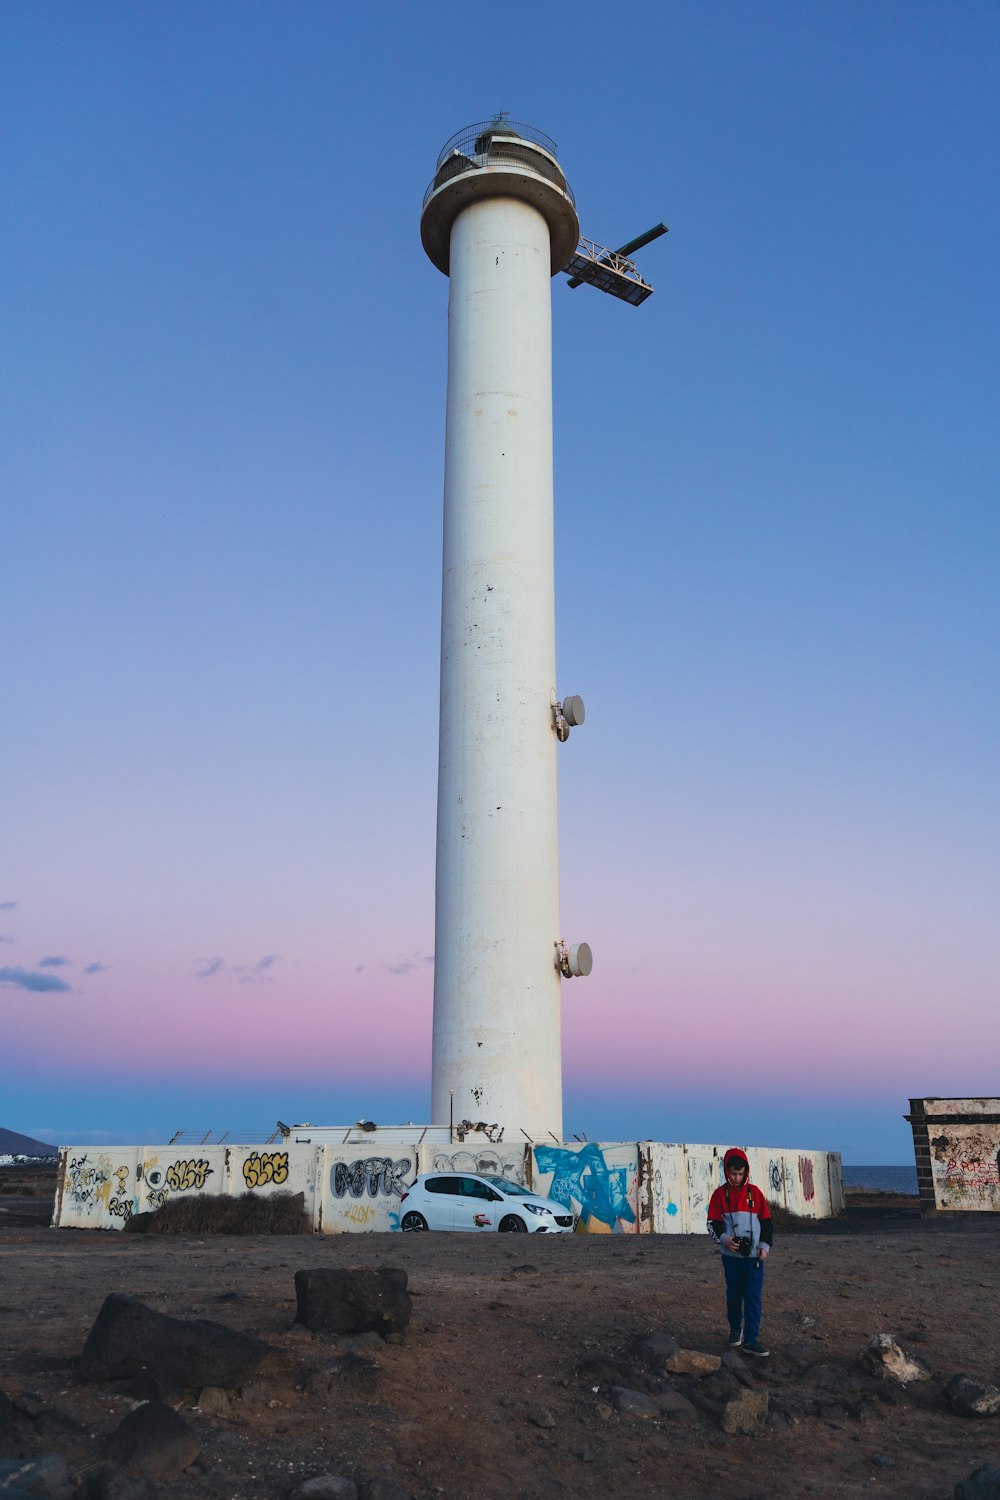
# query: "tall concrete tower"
499,220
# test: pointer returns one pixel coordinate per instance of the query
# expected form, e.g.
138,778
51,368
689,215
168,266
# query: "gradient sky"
222,376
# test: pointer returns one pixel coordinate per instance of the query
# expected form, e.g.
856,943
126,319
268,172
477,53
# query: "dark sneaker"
757,1348
735,1338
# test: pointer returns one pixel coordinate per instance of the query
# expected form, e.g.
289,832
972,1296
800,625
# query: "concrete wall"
353,1183
956,1143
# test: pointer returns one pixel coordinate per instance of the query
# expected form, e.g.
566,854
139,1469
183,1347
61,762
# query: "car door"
476,1205
440,1197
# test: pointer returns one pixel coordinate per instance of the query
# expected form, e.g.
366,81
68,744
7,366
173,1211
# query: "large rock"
692,1362
745,1413
885,1359
972,1398
129,1340
153,1442
982,1484
359,1299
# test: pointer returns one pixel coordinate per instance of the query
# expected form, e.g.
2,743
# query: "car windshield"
512,1189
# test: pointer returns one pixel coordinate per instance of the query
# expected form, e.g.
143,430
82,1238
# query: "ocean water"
885,1179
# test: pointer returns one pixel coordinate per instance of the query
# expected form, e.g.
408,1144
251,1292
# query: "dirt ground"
504,1384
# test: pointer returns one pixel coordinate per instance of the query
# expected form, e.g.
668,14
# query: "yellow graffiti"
187,1174
262,1167
359,1213
122,1174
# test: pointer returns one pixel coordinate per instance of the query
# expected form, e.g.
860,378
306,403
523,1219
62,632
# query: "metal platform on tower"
612,271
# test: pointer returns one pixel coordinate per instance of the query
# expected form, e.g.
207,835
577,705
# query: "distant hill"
12,1144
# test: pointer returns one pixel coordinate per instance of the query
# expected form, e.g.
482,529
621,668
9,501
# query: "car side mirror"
495,1197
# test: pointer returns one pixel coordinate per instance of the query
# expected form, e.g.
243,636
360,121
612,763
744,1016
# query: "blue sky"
221,438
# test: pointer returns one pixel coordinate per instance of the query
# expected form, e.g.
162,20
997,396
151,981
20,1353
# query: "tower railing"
497,144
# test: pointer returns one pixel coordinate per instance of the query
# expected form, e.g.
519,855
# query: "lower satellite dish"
579,960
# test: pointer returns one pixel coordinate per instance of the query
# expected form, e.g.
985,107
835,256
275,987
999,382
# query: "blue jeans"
744,1294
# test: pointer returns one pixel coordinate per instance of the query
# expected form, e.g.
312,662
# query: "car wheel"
513,1225
412,1222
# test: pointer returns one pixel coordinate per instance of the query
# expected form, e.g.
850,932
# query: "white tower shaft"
497,987
500,220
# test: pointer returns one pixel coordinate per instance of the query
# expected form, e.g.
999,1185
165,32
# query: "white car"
456,1200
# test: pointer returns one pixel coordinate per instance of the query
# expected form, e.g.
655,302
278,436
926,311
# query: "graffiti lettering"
971,1172
89,1182
806,1173
187,1174
775,1176
372,1175
359,1213
265,1166
600,1190
121,1208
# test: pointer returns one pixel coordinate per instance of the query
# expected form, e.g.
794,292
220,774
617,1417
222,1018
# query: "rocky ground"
530,1367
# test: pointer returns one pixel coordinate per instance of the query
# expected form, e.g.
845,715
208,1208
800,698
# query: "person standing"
739,1220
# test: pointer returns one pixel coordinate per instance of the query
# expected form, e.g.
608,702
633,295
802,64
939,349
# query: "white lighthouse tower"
499,220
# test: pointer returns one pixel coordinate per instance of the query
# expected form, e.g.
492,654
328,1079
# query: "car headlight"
535,1208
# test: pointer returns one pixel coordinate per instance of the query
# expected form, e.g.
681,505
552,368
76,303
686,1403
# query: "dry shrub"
783,1218
215,1213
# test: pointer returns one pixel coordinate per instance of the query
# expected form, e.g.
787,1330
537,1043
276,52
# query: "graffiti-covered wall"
956,1144
656,1188
354,1183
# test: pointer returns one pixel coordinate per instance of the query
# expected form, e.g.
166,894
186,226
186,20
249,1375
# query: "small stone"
677,1407
884,1358
587,1455
635,1404
657,1348
326,1487
350,1372
540,1416
881,1461
107,1482
383,1488
45,1476
972,1398
603,1412
691,1362
982,1484
213,1401
745,1413
153,1442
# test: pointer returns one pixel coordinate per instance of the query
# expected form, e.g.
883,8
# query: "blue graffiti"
600,1190
671,1209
